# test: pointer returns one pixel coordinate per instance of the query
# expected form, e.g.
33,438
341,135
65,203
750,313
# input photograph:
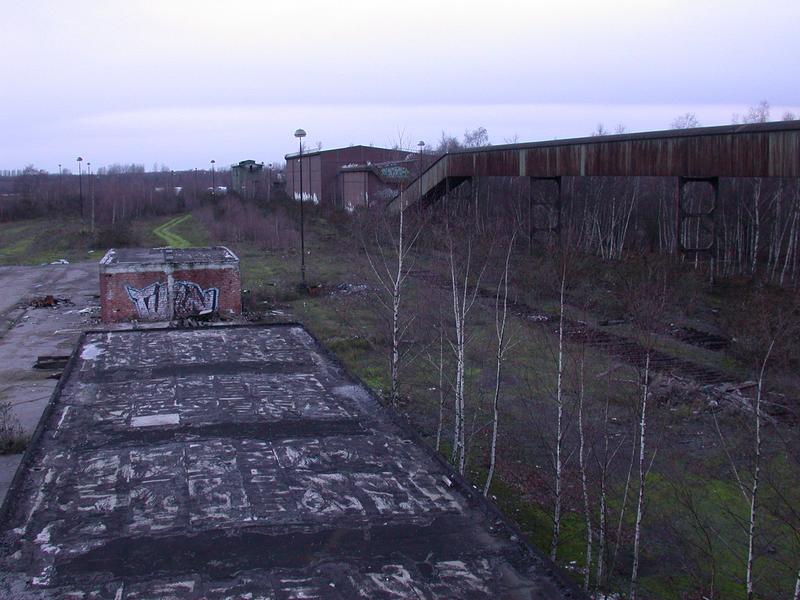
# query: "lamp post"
91,191
300,134
213,181
80,183
421,146
269,183
60,177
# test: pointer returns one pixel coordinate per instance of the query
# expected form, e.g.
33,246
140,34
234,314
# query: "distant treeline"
108,196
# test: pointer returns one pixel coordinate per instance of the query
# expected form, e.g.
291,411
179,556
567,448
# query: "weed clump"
12,438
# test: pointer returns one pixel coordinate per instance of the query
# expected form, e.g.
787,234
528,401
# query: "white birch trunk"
459,315
559,422
441,390
642,477
396,289
601,550
500,330
751,530
582,463
797,587
756,228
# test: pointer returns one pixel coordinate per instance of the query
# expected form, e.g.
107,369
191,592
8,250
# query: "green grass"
37,241
354,328
171,238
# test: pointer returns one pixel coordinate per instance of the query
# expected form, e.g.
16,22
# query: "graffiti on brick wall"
188,298
191,299
151,302
395,172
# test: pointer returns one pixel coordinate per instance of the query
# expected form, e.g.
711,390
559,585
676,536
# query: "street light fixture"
213,181
269,183
300,134
421,146
80,183
91,190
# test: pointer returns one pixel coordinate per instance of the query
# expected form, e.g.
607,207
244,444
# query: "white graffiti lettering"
155,303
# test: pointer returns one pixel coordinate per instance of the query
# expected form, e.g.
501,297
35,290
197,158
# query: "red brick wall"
227,281
158,303
115,303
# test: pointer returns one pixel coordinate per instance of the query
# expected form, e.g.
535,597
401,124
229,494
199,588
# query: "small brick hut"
162,284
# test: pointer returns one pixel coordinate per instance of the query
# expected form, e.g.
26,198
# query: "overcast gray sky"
180,82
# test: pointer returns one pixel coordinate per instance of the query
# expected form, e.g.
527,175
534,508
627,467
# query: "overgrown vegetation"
12,438
693,521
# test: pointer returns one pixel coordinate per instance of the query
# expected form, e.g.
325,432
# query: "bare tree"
447,143
751,531
685,121
500,319
465,284
559,419
587,513
637,532
392,273
758,113
476,138
750,493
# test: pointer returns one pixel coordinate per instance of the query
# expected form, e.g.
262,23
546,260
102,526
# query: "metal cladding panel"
570,159
784,150
504,163
354,189
749,155
465,164
608,158
436,174
706,156
333,160
651,158
542,162
753,150
312,184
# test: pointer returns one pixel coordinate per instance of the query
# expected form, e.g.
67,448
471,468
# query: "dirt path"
172,239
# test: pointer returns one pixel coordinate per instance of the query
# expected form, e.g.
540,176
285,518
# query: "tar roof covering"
242,462
138,256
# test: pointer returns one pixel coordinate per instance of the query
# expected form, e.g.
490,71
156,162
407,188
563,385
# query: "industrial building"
348,177
243,462
364,184
162,284
248,178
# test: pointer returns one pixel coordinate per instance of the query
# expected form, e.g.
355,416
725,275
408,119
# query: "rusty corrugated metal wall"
324,167
757,150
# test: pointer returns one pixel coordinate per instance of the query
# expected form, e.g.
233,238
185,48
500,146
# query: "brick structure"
162,284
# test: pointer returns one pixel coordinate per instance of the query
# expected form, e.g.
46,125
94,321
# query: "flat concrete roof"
163,256
243,462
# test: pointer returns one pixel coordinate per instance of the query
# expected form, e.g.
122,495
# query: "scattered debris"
49,302
316,290
345,289
696,337
612,322
51,362
724,396
539,318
